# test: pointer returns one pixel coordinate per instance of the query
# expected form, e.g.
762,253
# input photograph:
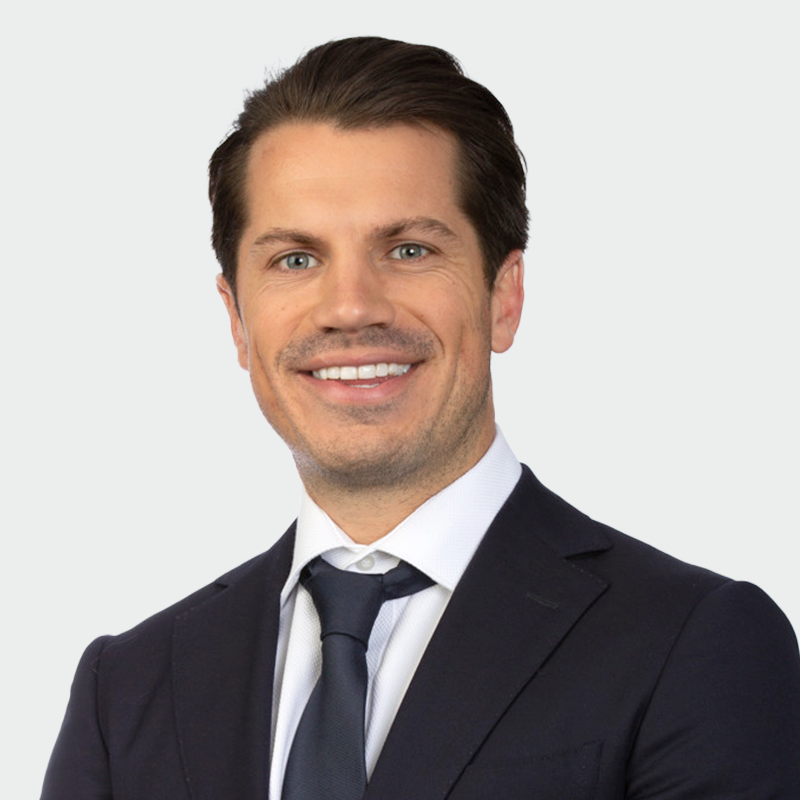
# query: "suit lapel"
515,603
223,667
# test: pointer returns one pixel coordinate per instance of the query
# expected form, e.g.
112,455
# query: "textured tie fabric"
326,761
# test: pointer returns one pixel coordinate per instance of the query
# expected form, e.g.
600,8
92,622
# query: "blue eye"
298,261
409,252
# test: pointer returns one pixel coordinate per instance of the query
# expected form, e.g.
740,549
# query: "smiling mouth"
362,372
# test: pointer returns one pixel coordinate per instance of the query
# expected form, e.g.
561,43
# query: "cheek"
272,326
449,304
462,323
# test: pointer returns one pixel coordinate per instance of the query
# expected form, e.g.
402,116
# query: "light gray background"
653,384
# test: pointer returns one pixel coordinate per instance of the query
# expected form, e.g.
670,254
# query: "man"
369,219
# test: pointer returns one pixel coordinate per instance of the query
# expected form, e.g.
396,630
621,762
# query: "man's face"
364,317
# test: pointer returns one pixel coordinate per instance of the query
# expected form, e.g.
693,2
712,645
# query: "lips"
361,372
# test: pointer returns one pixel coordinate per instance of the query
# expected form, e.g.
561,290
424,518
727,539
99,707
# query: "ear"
507,297
237,328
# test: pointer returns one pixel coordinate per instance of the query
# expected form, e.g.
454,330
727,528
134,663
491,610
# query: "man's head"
369,82
363,308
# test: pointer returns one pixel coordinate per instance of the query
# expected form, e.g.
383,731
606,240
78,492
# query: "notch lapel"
517,600
223,668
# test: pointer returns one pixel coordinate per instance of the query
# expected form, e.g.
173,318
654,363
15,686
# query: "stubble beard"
425,462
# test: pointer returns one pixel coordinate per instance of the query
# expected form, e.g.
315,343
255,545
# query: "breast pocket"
562,775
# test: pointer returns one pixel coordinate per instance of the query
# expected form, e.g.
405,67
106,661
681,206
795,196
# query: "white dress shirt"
439,538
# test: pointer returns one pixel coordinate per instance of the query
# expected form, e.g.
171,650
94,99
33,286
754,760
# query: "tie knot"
348,602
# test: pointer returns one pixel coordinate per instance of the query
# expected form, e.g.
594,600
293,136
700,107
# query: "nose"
352,296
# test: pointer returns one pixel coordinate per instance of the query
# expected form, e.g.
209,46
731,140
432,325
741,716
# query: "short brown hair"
367,82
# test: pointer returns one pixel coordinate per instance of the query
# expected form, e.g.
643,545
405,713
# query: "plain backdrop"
654,382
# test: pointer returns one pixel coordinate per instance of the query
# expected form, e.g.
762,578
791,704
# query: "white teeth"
364,372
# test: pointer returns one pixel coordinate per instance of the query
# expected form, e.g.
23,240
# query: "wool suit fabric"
572,663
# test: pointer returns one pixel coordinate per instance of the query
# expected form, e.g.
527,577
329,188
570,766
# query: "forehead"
324,146
322,171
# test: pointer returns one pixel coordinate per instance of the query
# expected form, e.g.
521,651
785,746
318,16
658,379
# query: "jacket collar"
223,663
518,599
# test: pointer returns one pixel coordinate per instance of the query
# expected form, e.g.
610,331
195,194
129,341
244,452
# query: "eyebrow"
390,231
412,224
287,235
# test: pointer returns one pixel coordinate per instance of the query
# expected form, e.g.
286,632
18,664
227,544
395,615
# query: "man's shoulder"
635,575
265,570
632,558
648,599
572,534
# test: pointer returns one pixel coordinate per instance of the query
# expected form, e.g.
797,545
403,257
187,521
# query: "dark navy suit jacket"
572,663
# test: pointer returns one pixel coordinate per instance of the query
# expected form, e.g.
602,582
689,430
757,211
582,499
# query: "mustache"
414,345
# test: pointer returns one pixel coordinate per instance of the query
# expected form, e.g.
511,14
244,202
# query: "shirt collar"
439,538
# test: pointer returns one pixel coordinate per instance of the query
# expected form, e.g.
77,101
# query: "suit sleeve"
78,768
724,718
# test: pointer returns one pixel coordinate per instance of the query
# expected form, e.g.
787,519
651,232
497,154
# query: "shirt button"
366,563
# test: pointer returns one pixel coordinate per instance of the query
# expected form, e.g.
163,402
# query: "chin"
381,465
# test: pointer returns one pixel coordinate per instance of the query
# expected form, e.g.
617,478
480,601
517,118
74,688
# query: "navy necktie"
326,761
